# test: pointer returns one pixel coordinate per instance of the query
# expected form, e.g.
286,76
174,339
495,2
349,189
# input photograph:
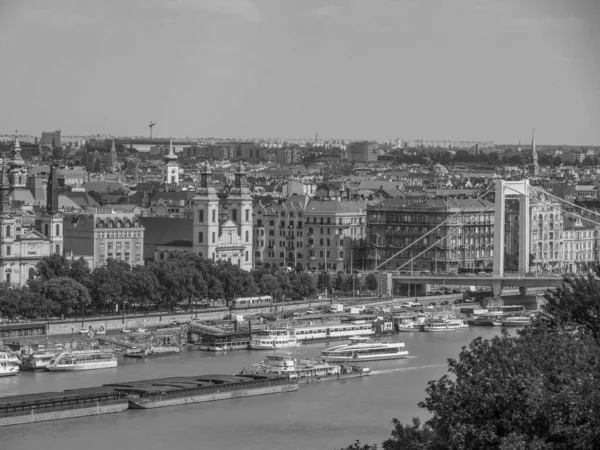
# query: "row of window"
234,215
214,237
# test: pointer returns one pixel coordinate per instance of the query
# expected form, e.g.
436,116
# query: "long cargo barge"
206,388
113,398
29,408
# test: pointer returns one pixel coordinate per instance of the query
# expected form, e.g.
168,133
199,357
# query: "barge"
29,408
152,352
174,391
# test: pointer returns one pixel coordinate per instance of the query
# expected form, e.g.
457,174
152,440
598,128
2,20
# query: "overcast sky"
413,69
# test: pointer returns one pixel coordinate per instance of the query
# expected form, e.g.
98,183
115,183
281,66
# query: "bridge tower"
511,188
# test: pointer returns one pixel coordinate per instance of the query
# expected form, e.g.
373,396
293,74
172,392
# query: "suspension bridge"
403,275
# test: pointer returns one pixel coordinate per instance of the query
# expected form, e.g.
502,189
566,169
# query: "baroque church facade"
223,223
26,236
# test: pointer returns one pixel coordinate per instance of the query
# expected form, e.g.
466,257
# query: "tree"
269,285
536,390
324,281
511,262
575,304
371,282
52,267
72,296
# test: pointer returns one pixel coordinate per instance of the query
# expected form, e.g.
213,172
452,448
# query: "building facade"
223,225
24,237
103,235
279,239
335,235
363,151
170,169
50,139
546,228
465,242
581,248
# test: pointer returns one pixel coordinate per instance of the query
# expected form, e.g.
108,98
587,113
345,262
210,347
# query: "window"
281,255
200,237
201,215
8,230
229,237
57,230
214,216
247,236
31,273
234,215
213,240
8,250
247,215
57,249
246,256
8,278
46,229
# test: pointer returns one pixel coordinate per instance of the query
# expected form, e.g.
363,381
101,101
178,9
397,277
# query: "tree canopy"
538,389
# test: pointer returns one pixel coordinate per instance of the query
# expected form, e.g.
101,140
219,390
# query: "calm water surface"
325,415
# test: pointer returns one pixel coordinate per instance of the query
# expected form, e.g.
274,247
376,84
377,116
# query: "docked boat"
9,364
445,325
82,360
274,339
407,324
152,352
332,331
307,371
204,388
40,407
516,321
37,361
488,320
365,349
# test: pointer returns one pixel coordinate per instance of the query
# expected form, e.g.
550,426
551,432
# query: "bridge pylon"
520,188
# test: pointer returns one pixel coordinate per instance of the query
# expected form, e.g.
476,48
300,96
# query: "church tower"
18,173
9,273
239,206
206,216
535,168
170,167
112,163
52,219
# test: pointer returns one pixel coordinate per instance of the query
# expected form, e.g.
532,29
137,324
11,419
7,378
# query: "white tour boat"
82,360
38,361
445,325
489,320
9,364
516,321
328,331
307,371
365,349
274,339
405,324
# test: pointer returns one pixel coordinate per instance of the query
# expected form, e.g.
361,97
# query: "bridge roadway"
496,283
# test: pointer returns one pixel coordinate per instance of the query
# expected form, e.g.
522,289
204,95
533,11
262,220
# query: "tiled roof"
82,199
334,206
166,231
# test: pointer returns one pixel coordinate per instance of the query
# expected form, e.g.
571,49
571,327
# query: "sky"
476,70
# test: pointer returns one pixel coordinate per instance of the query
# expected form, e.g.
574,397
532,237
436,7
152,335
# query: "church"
223,223
25,236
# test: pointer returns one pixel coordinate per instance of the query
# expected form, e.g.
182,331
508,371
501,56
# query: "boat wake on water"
403,369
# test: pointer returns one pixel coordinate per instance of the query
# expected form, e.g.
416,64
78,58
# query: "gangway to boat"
116,341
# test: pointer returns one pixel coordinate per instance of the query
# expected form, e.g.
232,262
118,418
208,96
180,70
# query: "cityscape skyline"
280,69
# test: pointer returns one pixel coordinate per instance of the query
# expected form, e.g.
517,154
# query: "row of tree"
539,389
68,287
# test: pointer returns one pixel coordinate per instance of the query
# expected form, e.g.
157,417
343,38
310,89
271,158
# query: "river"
326,415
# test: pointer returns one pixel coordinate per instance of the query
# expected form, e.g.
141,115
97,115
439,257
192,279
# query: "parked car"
430,307
100,331
445,302
84,331
125,331
457,302
429,294
438,293
456,291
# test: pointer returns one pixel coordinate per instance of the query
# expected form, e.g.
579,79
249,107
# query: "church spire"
171,156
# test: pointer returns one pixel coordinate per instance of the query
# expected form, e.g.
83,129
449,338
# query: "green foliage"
539,389
71,295
371,282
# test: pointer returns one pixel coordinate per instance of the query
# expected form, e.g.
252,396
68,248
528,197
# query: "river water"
327,415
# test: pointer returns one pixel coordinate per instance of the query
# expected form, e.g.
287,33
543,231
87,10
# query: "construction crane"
150,126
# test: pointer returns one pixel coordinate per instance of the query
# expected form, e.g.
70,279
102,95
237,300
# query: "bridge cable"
454,231
566,201
432,230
